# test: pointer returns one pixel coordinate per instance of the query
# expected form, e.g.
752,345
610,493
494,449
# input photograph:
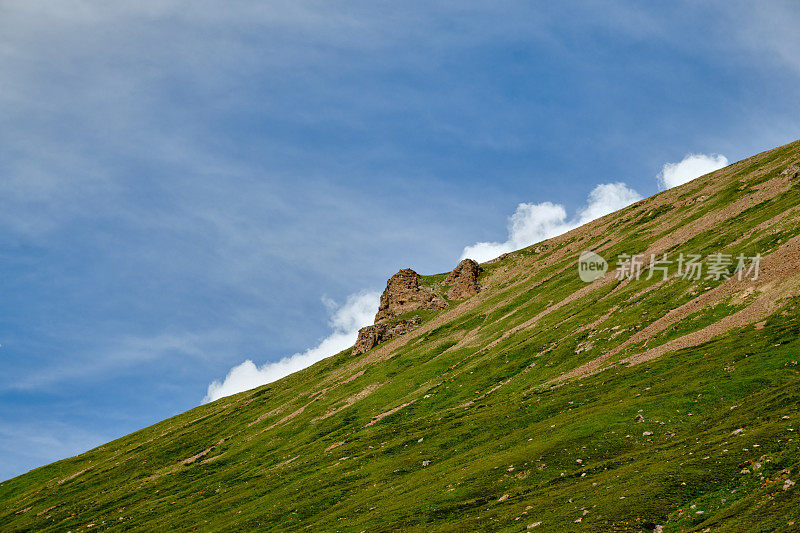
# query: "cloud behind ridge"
532,223
690,167
357,311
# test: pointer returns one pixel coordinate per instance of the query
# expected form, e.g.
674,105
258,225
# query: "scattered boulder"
639,418
793,171
464,280
499,258
584,346
788,484
371,336
404,293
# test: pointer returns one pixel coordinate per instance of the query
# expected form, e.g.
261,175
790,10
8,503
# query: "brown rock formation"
371,336
464,280
404,293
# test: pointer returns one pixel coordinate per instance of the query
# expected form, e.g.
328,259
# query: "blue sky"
188,185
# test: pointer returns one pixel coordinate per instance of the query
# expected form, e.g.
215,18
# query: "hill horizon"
638,372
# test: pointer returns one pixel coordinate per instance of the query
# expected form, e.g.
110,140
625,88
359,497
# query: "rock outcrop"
404,293
464,280
793,171
371,336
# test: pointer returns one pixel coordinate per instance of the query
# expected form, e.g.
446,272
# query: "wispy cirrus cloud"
173,168
26,445
112,356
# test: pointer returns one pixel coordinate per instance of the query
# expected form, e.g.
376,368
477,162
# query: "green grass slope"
514,410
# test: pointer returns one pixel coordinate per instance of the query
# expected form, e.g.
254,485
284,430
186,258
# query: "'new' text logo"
591,266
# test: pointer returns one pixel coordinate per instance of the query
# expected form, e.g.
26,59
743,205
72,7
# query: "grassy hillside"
513,410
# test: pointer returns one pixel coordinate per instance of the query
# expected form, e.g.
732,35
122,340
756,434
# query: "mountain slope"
542,402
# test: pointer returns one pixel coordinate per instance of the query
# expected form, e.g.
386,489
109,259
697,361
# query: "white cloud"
607,198
358,311
532,223
692,166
